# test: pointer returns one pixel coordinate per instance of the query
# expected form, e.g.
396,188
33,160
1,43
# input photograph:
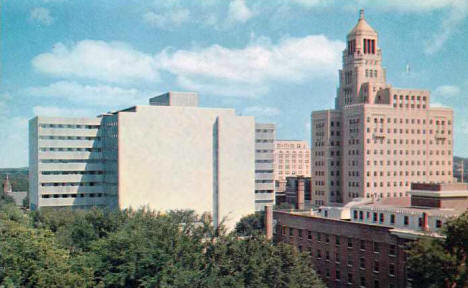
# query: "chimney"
425,222
300,193
269,222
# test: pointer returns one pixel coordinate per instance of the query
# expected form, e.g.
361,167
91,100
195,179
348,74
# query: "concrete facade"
65,162
378,139
265,135
161,156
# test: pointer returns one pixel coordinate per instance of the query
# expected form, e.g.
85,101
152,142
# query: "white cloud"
54,111
438,105
101,95
106,61
42,16
168,19
239,12
246,72
258,64
310,3
265,111
447,91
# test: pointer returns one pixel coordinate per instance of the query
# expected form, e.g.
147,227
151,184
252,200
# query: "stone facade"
378,139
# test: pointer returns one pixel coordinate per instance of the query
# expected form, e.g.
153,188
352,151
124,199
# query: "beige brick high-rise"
378,139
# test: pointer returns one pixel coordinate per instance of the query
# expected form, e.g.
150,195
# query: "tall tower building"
378,139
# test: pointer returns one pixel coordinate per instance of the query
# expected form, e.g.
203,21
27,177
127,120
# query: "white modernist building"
265,135
168,155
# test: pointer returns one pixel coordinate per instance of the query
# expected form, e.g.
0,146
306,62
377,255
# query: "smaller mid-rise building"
292,158
265,134
363,243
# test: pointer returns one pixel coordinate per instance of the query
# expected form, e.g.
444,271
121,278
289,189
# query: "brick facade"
346,254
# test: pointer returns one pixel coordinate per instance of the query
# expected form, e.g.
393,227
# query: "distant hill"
456,168
20,181
18,178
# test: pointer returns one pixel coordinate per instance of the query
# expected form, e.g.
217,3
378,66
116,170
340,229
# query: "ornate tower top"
7,186
362,27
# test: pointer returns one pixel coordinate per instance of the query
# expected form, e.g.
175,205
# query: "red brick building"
362,244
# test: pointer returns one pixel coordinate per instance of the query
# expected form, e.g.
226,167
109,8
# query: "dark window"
392,250
376,247
362,263
406,220
350,243
309,235
363,245
392,219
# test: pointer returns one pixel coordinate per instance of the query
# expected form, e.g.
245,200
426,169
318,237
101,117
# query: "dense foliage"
104,248
251,224
441,262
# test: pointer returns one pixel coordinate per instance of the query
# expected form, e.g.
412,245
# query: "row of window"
72,172
52,149
69,184
69,126
81,195
380,217
68,138
410,141
405,152
291,146
412,120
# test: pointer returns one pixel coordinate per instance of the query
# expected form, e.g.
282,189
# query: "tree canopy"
441,262
139,248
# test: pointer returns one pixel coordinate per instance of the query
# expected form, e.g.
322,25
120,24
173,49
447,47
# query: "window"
299,232
337,240
291,231
392,251
381,218
406,220
376,266
363,245
376,284
438,223
391,269
309,235
362,263
350,278
350,243
376,247
363,281
374,217
392,219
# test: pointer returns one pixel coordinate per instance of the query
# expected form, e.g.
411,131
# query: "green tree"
435,262
251,224
29,257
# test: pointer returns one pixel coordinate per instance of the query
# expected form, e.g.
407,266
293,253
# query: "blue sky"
276,60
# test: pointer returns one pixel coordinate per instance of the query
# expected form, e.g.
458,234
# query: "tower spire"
361,14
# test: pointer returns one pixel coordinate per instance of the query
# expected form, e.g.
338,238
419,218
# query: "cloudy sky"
276,59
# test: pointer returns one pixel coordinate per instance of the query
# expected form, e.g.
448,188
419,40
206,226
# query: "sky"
277,60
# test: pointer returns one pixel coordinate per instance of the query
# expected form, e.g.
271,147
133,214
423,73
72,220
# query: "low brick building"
363,243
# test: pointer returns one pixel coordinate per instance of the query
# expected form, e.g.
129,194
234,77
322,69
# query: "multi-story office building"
168,155
292,158
363,244
265,134
378,139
